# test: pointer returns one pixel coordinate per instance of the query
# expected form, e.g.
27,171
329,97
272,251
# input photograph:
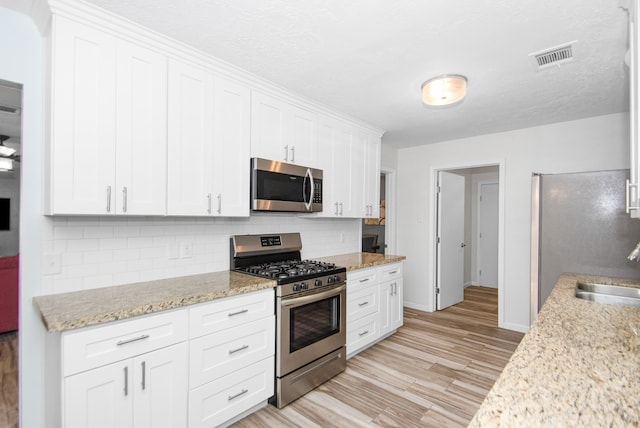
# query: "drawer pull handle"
233,314
364,280
393,272
363,304
363,333
232,397
135,339
242,348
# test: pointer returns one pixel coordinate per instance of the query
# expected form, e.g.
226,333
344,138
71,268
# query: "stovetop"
291,269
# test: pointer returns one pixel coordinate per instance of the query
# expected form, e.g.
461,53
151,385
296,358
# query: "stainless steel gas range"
310,308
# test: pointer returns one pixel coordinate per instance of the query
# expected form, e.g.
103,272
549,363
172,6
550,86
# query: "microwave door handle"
306,189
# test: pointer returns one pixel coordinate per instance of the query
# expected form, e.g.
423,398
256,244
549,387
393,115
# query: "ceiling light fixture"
4,150
444,90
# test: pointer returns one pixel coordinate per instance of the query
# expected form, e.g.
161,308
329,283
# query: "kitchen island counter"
579,365
77,309
354,261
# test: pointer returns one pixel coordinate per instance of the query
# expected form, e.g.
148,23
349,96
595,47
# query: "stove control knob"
304,286
296,287
329,280
318,283
336,278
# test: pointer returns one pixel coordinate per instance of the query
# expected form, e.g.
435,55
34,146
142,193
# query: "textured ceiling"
368,58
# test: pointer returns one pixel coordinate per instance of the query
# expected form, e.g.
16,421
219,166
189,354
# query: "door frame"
433,214
390,177
478,223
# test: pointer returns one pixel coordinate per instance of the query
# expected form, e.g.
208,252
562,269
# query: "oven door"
310,327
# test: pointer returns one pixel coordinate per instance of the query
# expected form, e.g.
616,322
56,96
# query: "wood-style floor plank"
434,372
9,380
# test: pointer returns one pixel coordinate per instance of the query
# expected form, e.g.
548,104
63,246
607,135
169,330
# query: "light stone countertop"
579,365
77,309
353,261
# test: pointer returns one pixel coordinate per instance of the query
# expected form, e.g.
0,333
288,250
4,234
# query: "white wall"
584,145
22,53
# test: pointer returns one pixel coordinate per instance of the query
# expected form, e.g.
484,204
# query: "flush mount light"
444,90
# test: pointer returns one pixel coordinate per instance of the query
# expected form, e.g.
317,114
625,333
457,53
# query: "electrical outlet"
186,250
51,264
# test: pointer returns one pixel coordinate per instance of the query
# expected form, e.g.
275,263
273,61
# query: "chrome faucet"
635,254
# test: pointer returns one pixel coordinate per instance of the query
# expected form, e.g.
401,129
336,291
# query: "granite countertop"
77,309
353,261
579,365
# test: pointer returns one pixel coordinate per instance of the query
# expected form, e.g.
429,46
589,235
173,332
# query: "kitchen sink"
610,294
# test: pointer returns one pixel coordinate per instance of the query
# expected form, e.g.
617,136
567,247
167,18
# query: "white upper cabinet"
190,132
209,138
141,143
232,138
107,151
83,132
350,159
283,132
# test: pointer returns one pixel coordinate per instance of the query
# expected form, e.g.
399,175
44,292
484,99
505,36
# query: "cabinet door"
303,137
390,306
343,189
82,150
231,166
161,388
327,131
372,178
99,398
268,128
397,309
358,161
190,140
141,148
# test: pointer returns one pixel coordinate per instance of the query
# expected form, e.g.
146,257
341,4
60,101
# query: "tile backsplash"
88,252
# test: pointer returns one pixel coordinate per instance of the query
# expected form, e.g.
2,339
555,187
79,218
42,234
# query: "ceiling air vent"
554,56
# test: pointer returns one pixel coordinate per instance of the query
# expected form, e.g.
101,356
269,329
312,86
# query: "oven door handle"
314,297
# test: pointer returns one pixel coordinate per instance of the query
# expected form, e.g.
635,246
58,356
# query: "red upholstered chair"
8,293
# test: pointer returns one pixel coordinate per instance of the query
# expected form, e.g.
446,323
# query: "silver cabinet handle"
144,375
126,381
209,203
340,208
393,272
286,153
135,339
363,333
336,204
219,203
124,199
364,280
108,199
363,304
242,348
231,397
293,153
393,289
233,314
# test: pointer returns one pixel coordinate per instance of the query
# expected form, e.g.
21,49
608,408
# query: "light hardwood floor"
9,380
434,372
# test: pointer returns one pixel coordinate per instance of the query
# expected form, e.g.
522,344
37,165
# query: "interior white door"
450,246
488,235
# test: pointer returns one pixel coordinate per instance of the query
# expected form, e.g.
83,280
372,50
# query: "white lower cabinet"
231,367
148,389
374,305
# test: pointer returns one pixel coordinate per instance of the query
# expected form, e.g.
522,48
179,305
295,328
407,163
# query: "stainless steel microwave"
279,186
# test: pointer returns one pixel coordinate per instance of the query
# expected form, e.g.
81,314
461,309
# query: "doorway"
378,234
468,222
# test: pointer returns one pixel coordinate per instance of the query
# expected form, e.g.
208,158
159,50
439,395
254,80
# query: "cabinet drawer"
216,402
361,278
390,272
362,333
230,312
361,303
218,354
97,346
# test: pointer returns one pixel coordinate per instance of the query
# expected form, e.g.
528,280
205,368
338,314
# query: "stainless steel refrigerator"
579,225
